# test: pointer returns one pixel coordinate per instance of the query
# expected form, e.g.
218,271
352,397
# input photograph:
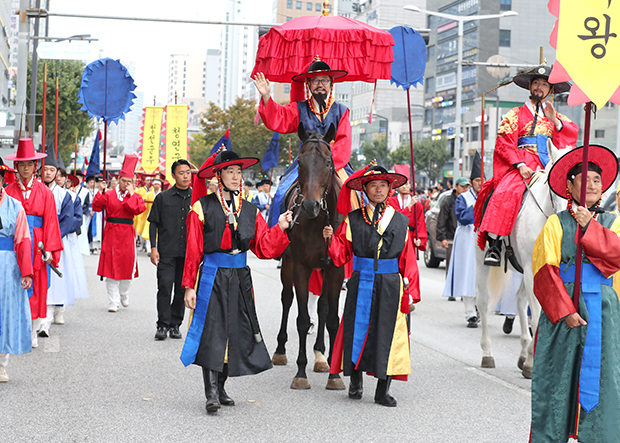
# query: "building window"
289,18
287,89
289,4
429,85
298,5
504,38
505,5
318,7
474,133
599,133
309,6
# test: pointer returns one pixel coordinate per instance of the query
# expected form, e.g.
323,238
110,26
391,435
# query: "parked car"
434,253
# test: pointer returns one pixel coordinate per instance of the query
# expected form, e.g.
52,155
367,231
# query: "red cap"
25,152
129,166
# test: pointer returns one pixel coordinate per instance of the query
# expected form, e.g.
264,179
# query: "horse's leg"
301,276
522,302
286,276
320,362
528,283
332,285
482,302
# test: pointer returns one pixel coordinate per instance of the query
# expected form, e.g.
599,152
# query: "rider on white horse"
520,149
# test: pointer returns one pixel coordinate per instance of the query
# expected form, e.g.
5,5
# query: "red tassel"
226,239
344,198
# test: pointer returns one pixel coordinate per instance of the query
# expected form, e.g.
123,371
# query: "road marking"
498,380
52,344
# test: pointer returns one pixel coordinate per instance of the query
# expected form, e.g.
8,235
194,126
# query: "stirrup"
512,258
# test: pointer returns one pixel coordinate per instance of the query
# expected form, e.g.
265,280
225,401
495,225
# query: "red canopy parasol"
364,51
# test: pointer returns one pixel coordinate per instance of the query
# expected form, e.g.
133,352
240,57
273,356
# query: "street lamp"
460,19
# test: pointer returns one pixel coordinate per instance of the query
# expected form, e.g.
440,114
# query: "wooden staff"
56,119
44,111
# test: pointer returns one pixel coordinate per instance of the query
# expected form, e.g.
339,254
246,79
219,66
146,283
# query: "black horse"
313,202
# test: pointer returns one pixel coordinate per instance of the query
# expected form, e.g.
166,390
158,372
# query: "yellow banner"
176,136
588,46
150,138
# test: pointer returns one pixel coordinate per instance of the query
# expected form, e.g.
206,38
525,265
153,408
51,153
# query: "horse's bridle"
536,201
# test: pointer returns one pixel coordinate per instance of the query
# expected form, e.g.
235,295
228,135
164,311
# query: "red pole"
582,201
56,120
105,149
482,143
75,155
413,186
43,115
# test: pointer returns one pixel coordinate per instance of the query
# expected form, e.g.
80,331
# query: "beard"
320,98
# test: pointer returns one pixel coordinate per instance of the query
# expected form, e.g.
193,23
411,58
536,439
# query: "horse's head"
316,168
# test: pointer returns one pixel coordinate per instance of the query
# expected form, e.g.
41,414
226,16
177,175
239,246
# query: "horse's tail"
495,285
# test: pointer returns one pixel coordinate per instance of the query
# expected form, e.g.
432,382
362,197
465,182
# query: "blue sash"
366,268
540,142
210,264
34,221
7,244
590,376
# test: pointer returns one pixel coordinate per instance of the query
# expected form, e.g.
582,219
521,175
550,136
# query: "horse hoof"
279,359
527,372
321,366
300,383
521,362
335,384
488,362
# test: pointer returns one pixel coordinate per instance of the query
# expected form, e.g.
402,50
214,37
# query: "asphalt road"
103,378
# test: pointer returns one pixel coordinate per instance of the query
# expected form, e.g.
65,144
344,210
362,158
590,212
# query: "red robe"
118,249
41,203
507,185
285,120
415,226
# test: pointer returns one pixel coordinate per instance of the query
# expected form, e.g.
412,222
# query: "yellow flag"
176,136
150,138
588,46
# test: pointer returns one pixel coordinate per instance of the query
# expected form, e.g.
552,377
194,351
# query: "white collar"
530,106
29,185
118,193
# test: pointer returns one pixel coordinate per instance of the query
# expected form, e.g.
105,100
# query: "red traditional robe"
118,249
40,203
285,120
416,226
507,185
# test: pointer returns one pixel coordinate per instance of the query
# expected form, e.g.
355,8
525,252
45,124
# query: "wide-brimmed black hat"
317,68
523,79
223,160
377,173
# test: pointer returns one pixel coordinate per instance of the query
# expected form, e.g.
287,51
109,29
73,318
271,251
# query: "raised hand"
263,86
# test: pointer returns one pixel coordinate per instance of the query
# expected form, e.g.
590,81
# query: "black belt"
123,221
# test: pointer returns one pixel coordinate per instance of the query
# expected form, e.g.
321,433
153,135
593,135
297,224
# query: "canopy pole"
44,111
413,184
56,118
482,141
585,166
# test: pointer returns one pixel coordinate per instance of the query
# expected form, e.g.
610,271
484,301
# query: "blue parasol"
408,70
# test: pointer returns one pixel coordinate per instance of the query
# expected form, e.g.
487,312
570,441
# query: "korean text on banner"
150,138
176,136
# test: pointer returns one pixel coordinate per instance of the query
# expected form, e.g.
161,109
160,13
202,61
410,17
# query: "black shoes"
493,254
221,379
211,390
162,333
355,387
451,299
472,322
382,394
507,328
175,333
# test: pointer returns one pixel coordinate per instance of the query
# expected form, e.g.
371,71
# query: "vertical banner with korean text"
176,136
150,138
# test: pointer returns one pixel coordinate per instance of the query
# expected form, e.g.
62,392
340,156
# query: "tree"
376,150
430,156
248,139
71,120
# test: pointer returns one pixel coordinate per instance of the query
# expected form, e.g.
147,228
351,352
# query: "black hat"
99,178
476,167
224,159
317,68
523,79
4,168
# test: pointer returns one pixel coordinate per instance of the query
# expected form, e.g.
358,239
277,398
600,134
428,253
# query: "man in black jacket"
167,233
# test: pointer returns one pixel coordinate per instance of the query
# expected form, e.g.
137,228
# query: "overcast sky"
150,44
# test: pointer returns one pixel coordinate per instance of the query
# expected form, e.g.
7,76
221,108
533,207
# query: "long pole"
75,155
482,140
34,76
105,149
585,166
56,119
459,91
289,152
413,185
44,112
22,66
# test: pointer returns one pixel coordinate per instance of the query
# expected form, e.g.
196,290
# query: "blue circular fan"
106,90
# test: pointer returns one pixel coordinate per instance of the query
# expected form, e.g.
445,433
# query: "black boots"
211,389
382,394
494,253
355,386
221,379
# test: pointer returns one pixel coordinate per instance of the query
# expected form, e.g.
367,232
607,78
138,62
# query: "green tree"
376,150
248,139
71,121
430,156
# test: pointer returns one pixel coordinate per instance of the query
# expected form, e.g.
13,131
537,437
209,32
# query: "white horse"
539,203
